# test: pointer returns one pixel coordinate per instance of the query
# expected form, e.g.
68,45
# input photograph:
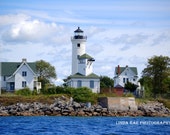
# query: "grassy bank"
166,102
9,99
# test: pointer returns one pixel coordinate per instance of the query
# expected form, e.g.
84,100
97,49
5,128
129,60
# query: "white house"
124,75
82,64
18,75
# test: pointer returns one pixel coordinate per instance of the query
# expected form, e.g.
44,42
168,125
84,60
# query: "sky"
119,32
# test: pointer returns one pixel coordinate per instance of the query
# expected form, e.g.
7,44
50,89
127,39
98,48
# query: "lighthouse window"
82,61
78,45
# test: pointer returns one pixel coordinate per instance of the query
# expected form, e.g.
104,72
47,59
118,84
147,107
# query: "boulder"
76,105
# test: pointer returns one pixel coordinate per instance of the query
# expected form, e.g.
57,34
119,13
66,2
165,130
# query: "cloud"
29,31
129,41
21,28
4,50
58,81
12,19
106,67
137,60
162,37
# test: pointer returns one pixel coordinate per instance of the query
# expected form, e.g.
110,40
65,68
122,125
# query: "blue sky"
124,32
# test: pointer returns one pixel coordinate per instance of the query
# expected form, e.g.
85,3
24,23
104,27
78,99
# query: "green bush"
128,95
70,91
53,90
34,92
59,90
3,91
24,92
84,94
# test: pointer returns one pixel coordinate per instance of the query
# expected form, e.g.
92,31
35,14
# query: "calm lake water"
55,125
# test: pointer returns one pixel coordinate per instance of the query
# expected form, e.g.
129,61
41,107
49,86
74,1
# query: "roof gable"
9,68
133,69
78,75
85,56
24,63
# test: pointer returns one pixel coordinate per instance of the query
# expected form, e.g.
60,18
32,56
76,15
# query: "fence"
117,91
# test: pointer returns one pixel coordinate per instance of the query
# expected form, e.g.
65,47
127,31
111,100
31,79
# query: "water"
55,125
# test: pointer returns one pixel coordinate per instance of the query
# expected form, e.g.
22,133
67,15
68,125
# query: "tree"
65,81
146,82
106,82
166,85
45,72
130,86
158,70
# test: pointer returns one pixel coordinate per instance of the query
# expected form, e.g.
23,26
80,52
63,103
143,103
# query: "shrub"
3,91
59,90
34,92
70,91
128,95
53,90
84,94
23,92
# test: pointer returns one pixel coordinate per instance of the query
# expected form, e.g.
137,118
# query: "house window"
79,83
4,78
134,79
127,80
24,84
91,84
24,73
78,45
123,80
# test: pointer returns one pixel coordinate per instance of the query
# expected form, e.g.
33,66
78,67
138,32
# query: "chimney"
24,60
118,70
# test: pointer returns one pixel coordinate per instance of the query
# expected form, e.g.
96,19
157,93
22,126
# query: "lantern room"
78,34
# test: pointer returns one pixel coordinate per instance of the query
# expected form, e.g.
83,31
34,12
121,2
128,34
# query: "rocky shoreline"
65,107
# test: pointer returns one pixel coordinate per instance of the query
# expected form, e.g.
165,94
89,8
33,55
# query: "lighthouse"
82,64
78,48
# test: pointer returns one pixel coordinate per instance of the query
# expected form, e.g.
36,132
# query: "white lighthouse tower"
78,48
82,64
